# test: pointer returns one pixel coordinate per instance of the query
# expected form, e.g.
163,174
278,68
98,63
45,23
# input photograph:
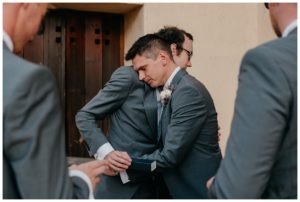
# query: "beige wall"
222,34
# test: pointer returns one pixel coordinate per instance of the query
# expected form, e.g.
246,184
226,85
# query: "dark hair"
174,35
149,46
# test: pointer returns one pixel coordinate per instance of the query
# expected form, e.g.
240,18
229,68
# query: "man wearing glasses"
181,45
261,155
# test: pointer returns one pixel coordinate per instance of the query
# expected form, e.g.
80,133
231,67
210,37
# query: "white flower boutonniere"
165,95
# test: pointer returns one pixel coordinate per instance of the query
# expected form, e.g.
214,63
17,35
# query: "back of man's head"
174,35
149,46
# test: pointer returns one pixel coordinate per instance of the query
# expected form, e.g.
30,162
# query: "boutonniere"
165,95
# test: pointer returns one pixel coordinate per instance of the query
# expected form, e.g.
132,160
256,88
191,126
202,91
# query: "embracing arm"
104,104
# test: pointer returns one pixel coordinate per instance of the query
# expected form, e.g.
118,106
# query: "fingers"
100,170
73,166
117,166
219,133
101,167
121,157
210,182
111,172
105,169
95,181
118,161
95,164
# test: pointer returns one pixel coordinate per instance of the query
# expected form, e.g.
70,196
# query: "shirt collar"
289,28
168,83
7,40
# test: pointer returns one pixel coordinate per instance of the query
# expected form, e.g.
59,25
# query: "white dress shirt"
166,86
289,28
7,40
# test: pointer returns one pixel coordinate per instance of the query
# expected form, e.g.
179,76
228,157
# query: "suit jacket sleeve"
260,117
104,104
35,141
189,113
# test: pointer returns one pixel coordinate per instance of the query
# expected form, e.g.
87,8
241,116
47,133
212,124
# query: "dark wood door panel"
93,56
34,50
54,49
75,79
82,49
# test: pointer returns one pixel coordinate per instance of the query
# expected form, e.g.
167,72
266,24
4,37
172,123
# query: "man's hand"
93,169
209,182
219,133
118,161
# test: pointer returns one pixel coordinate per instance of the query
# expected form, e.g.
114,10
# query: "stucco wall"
222,33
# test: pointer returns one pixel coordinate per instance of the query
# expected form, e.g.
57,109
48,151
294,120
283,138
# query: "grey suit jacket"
190,152
132,108
34,158
261,155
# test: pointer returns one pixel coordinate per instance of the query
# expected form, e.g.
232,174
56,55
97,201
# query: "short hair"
149,46
174,35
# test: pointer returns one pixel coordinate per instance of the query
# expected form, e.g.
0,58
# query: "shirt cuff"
85,178
103,151
124,177
101,154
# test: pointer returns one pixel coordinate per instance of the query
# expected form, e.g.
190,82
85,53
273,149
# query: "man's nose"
189,64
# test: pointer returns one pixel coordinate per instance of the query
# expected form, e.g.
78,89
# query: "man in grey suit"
132,128
261,155
188,153
132,107
34,159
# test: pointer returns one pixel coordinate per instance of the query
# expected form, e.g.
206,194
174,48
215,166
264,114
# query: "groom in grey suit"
261,155
188,153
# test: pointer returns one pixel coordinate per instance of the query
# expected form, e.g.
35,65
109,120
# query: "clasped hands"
114,163
118,161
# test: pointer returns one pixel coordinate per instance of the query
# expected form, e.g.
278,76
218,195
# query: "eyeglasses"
267,5
189,53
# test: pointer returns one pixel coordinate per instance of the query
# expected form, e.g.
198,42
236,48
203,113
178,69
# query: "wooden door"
82,49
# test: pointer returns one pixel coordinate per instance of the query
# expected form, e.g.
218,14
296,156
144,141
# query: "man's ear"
163,56
174,49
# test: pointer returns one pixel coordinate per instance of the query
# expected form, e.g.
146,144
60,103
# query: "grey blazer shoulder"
261,155
122,99
35,164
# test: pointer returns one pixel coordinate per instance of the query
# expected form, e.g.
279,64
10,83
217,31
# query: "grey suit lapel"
180,74
294,31
4,46
161,126
150,106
